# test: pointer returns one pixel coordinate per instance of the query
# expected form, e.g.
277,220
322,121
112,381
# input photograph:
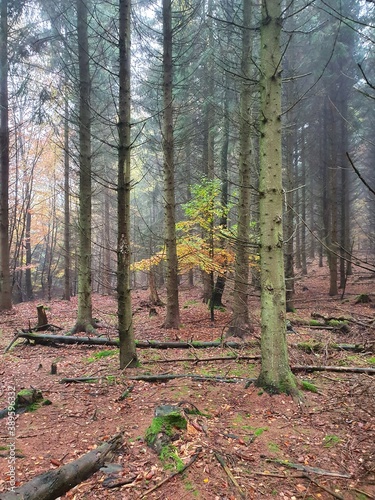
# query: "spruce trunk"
275,375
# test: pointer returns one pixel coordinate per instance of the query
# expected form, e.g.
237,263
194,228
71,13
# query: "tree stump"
364,298
42,316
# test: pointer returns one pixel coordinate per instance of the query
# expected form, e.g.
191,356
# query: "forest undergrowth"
244,442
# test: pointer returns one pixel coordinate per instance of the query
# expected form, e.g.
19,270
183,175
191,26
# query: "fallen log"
201,360
312,368
79,380
229,380
163,377
55,483
71,339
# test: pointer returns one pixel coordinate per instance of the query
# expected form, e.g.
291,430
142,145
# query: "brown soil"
256,435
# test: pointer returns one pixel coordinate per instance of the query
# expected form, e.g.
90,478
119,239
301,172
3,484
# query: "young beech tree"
275,375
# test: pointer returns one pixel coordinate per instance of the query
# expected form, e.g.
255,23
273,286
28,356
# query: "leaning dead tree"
55,483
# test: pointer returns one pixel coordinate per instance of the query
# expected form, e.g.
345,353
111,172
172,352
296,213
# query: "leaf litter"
245,443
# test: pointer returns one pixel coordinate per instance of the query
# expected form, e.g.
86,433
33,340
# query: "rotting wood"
42,316
70,339
55,483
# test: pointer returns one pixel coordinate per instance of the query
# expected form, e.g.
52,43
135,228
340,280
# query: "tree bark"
28,283
84,319
240,322
275,375
172,319
128,355
5,288
55,483
67,263
208,159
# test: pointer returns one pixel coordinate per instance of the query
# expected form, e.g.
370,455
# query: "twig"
308,469
16,337
191,461
361,492
228,472
333,493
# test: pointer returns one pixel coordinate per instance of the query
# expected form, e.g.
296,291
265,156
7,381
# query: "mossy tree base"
87,327
283,385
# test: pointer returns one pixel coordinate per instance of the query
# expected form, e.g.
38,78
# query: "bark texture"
84,319
5,288
240,323
128,356
275,375
172,319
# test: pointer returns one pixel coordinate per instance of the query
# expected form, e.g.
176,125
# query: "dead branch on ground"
55,483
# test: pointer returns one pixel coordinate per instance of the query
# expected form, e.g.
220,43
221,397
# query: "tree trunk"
331,127
5,289
291,181
67,263
107,250
154,298
218,289
208,159
275,375
84,319
128,355
303,203
240,322
28,283
172,319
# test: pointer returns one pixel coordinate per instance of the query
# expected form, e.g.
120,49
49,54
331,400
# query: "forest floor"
269,446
